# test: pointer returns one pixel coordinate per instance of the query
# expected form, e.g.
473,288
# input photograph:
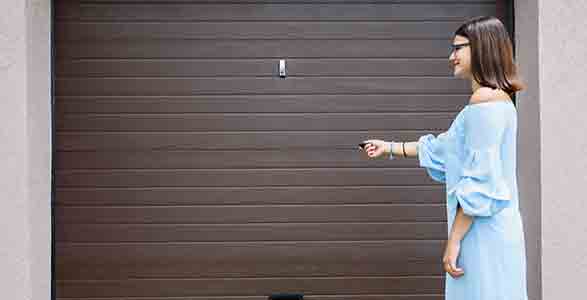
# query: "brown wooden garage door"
187,169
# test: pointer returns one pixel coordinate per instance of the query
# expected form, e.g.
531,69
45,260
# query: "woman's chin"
459,74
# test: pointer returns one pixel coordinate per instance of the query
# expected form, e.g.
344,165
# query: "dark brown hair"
492,62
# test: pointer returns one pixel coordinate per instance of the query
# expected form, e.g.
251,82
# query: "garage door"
187,168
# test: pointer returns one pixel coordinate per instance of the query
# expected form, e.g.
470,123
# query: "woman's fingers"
455,272
374,148
447,269
449,260
374,151
451,268
446,265
456,269
370,148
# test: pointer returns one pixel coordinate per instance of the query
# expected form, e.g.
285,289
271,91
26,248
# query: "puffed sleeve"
431,155
482,189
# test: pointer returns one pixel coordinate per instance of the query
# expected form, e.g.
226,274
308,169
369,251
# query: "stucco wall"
25,220
529,144
14,215
551,44
563,112
39,143
551,47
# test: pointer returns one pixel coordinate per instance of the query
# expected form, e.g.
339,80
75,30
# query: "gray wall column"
551,44
529,172
552,146
562,41
25,149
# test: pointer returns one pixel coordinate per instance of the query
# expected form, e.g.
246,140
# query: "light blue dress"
476,158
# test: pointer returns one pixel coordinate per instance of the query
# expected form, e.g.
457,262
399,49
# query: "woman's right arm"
383,148
410,148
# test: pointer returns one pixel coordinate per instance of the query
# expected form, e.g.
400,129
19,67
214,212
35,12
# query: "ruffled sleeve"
482,189
431,155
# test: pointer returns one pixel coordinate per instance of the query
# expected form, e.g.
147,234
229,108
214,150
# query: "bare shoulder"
485,94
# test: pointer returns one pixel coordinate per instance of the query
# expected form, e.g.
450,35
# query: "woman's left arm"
459,229
460,226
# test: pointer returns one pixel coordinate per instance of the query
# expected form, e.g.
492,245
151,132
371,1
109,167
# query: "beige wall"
15,257
529,145
39,143
551,47
552,43
25,221
563,112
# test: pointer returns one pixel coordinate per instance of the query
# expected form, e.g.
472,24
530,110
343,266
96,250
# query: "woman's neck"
474,85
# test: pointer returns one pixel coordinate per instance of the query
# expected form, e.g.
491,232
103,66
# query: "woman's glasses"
457,47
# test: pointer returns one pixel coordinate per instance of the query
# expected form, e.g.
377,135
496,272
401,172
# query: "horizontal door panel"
244,140
277,49
240,177
433,194
306,296
87,31
253,214
248,286
182,261
250,67
261,104
299,1
219,159
259,85
271,11
110,233
254,122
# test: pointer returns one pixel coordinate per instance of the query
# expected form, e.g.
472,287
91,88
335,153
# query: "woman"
476,159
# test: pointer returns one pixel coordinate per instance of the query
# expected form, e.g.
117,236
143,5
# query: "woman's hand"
449,261
376,148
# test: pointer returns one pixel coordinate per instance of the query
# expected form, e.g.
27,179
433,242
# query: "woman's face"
460,57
